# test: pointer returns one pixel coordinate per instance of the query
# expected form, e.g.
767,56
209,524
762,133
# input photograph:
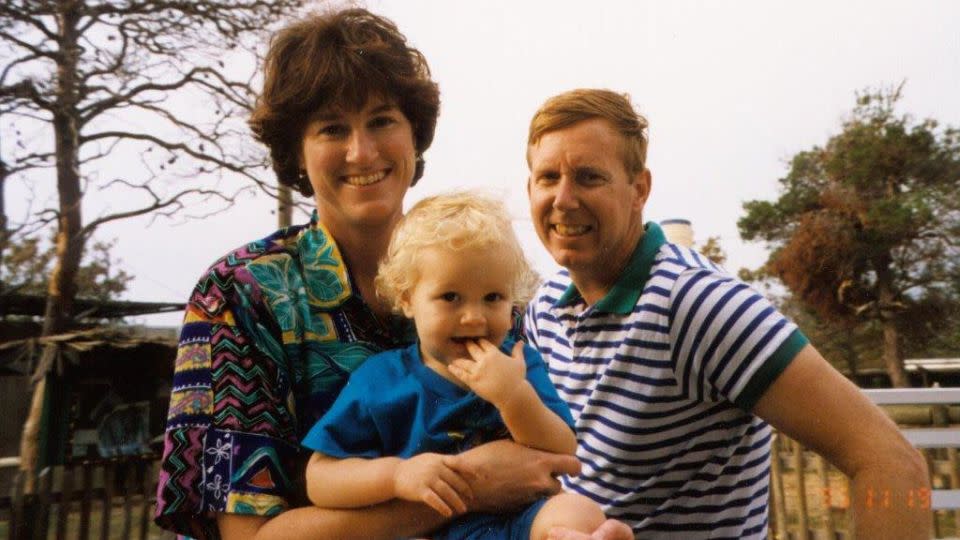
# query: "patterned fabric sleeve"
728,340
230,444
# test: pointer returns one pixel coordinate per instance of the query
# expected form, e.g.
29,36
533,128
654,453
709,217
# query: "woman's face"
360,164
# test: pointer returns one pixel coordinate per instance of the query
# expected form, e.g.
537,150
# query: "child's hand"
491,374
425,478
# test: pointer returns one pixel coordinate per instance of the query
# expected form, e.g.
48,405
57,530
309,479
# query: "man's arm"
812,403
504,475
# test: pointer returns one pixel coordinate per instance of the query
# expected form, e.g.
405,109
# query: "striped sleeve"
728,340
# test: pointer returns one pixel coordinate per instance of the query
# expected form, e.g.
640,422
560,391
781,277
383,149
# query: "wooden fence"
112,499
810,500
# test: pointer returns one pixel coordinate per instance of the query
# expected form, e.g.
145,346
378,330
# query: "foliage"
866,228
27,264
712,249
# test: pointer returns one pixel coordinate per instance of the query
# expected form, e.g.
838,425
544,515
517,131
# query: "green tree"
26,269
865,230
712,249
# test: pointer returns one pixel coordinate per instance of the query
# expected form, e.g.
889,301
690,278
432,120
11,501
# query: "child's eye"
449,297
493,297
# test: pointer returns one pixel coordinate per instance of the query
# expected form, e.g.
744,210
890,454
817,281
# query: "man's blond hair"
455,221
564,110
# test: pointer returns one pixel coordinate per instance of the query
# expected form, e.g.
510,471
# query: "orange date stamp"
881,499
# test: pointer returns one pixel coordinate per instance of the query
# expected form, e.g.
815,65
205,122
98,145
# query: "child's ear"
405,305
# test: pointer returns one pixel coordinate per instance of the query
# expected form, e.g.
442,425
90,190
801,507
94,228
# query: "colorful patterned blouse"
271,333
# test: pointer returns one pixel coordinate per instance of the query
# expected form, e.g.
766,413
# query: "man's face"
585,206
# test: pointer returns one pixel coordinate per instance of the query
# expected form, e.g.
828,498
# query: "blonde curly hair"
455,221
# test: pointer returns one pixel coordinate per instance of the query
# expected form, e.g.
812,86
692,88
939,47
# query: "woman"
273,329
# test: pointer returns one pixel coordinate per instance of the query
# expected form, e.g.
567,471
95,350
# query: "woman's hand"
492,375
504,475
426,478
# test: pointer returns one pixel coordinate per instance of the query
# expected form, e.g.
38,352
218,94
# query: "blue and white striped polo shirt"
659,375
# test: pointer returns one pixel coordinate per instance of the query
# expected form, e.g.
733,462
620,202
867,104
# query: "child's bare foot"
611,529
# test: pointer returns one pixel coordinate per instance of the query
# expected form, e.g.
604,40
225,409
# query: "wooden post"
827,525
779,499
804,532
128,471
41,523
66,493
848,517
17,512
109,474
86,494
146,483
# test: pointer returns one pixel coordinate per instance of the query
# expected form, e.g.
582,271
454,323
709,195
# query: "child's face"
460,295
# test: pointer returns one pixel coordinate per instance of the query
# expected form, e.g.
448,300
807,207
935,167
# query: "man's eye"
590,178
449,297
548,178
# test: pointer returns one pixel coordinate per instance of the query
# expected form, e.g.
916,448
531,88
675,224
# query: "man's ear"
643,182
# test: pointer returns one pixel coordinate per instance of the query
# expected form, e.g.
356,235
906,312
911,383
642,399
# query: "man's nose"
565,195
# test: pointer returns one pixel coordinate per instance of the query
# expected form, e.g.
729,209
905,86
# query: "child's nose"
471,315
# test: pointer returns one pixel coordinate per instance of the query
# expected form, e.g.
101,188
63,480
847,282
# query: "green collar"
624,294
324,272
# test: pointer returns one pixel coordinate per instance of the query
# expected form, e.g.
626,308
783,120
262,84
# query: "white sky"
731,89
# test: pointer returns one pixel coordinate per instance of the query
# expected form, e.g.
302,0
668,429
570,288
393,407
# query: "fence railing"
810,499
111,499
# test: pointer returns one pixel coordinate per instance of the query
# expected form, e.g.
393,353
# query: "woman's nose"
361,147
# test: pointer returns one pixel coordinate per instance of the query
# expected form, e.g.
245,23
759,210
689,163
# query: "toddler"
455,267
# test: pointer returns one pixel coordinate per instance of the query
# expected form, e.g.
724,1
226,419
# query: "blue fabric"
394,405
514,526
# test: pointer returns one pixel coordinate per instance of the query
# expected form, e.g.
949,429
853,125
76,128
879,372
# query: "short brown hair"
569,108
338,60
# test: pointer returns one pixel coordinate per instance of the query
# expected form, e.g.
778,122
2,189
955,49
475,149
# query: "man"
673,368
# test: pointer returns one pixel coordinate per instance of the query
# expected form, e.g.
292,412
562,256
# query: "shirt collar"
623,296
325,274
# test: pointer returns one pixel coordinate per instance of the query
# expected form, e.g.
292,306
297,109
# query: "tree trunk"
887,305
62,284
284,206
4,235
891,355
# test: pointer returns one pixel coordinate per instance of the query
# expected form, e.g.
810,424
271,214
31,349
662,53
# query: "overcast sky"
731,89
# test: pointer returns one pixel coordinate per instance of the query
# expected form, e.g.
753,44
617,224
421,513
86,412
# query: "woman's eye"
333,130
382,121
449,297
